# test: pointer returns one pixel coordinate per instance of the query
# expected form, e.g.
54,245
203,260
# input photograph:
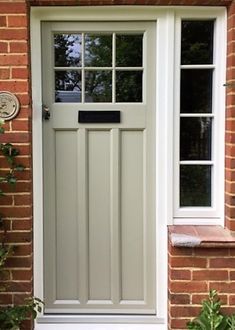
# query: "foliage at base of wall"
210,317
11,317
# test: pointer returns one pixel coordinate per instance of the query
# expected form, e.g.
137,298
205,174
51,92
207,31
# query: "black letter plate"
99,117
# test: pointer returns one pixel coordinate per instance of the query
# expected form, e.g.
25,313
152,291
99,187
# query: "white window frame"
214,214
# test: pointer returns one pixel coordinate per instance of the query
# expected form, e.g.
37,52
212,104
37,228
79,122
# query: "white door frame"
164,160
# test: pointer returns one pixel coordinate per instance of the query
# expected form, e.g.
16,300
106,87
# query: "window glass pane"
98,50
129,50
195,138
98,86
196,91
129,86
67,49
195,185
197,42
67,86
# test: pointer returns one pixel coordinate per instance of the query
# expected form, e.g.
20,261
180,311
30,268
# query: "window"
199,121
98,67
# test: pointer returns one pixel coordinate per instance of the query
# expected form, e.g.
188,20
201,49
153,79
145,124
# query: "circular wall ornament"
9,105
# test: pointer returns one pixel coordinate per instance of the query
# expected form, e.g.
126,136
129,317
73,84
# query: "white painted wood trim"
213,215
109,13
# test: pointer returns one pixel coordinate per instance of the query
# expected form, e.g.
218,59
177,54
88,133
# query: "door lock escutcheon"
45,112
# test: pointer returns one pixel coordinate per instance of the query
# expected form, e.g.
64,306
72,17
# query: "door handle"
45,112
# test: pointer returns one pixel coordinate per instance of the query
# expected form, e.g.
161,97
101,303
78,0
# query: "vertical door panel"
99,214
66,215
132,213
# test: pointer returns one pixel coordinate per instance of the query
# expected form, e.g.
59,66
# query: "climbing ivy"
11,317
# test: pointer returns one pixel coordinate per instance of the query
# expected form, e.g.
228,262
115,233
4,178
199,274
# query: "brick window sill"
201,236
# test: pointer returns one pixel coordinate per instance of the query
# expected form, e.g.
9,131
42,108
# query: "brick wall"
192,272
16,206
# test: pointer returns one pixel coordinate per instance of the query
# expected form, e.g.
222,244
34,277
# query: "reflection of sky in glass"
68,49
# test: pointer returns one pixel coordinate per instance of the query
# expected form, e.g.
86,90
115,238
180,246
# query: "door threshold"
92,326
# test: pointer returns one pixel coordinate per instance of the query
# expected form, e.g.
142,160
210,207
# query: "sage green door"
99,171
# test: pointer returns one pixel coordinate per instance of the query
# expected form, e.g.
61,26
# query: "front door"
99,167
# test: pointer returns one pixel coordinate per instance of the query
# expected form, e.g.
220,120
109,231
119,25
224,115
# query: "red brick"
19,262
4,73
11,59
222,263
20,125
23,249
3,21
180,274
14,86
178,323
188,262
19,287
179,299
209,275
5,298
24,275
17,21
16,211
198,298
188,287
7,7
18,47
232,275
208,252
13,34
19,298
230,125
179,251
3,47
19,73
231,299
21,224
15,137
23,199
230,224
19,237
224,287
185,311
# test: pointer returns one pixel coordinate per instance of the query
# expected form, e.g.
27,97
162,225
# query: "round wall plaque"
9,105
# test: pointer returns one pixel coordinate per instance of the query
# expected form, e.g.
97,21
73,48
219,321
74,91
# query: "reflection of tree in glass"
98,50
98,86
196,91
129,50
195,138
129,86
67,81
195,185
67,49
197,42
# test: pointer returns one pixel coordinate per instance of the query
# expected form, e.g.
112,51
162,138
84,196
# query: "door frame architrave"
165,18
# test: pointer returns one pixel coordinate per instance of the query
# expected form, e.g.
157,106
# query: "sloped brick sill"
201,236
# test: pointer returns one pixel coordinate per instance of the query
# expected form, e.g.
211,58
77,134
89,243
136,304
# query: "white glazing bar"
197,66
83,71
197,115
196,162
114,72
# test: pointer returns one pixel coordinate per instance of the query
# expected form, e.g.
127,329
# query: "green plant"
12,316
210,317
